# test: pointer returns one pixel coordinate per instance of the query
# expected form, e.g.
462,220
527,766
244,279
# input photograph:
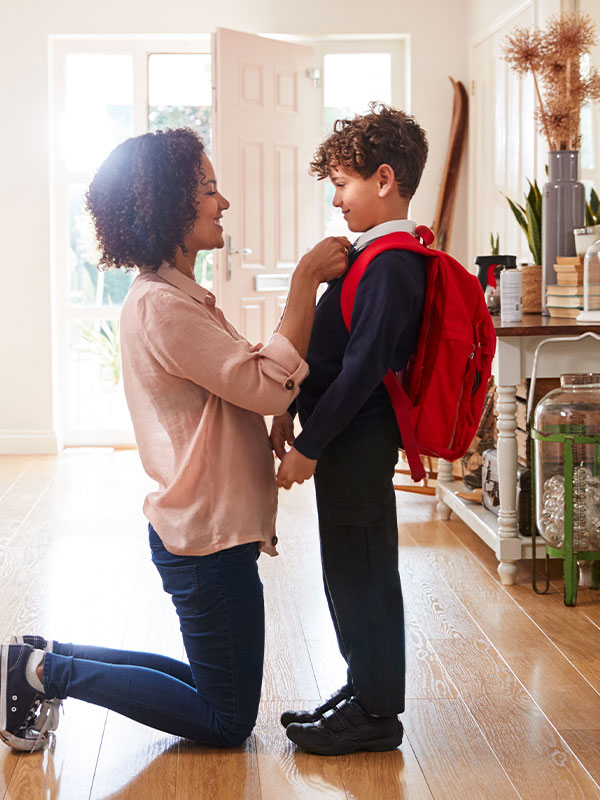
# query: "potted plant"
554,57
529,217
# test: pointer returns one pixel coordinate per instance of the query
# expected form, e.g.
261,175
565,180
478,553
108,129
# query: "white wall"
439,47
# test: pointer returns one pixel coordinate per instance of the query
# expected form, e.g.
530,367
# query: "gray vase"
563,208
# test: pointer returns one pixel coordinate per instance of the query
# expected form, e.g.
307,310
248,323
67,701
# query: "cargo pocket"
346,532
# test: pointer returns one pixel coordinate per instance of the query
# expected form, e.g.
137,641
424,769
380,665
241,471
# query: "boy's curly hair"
143,198
383,136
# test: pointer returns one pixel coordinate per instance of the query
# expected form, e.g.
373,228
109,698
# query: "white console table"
517,342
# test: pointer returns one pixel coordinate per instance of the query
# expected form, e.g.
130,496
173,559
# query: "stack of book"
565,299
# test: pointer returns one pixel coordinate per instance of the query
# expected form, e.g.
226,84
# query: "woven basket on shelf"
531,276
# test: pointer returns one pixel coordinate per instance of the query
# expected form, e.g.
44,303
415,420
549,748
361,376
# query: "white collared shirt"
392,226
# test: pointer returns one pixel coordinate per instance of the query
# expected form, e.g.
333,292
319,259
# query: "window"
104,92
356,72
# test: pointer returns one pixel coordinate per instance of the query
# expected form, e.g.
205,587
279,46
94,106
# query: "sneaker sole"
378,746
28,743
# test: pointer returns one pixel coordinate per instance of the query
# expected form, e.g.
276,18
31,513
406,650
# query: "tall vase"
563,208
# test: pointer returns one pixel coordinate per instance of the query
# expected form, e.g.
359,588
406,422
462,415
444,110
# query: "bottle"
490,268
511,300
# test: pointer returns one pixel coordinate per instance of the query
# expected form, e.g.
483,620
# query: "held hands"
294,468
327,260
282,433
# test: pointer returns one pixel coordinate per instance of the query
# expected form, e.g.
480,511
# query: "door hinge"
314,74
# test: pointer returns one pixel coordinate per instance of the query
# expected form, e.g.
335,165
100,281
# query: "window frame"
140,48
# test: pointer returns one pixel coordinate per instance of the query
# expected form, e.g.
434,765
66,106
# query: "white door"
502,141
266,126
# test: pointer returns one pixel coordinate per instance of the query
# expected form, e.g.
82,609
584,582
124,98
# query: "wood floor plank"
556,685
217,773
454,766
67,770
288,671
136,762
328,666
395,775
522,739
21,498
426,676
586,744
561,691
11,469
502,684
286,772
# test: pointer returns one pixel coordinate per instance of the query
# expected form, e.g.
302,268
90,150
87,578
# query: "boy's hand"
327,260
282,433
294,468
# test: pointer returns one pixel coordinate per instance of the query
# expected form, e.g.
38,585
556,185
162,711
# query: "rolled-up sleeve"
188,340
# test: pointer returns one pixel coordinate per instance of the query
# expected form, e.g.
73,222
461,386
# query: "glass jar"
566,433
591,284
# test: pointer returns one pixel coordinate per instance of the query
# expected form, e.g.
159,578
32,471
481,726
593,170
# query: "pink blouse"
197,392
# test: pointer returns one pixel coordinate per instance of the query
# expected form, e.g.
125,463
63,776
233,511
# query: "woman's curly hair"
143,198
383,136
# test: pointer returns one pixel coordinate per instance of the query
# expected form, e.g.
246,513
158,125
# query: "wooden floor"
503,685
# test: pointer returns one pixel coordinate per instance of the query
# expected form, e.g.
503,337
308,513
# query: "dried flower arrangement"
554,58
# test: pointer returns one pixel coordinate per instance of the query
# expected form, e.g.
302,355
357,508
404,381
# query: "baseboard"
15,442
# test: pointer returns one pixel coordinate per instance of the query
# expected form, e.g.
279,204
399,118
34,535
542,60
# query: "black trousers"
359,551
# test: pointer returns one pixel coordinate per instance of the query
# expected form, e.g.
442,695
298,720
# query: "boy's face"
357,197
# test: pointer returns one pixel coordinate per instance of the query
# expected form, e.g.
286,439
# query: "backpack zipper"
471,357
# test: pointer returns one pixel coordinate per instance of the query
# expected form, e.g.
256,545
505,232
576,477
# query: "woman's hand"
294,468
282,433
326,260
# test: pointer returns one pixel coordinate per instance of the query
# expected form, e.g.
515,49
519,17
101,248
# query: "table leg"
444,474
509,544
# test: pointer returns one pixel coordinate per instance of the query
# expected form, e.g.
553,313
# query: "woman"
196,391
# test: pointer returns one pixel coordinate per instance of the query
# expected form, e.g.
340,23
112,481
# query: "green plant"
592,209
495,244
105,343
529,218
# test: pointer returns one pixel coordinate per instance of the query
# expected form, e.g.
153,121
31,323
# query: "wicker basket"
532,288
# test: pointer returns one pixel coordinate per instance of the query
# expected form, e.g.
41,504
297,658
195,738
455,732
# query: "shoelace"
43,717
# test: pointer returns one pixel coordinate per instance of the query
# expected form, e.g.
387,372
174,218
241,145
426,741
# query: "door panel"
502,142
266,120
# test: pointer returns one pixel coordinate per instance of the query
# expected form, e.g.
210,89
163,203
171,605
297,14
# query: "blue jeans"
213,700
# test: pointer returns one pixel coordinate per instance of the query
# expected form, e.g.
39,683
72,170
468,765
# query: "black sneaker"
312,716
38,642
346,729
26,716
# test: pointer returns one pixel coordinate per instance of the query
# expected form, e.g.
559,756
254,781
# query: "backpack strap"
400,401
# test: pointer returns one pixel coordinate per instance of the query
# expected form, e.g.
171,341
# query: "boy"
350,432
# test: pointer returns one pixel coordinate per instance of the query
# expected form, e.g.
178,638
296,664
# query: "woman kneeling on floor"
197,392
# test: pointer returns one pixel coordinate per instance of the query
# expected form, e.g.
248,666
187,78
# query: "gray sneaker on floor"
27,717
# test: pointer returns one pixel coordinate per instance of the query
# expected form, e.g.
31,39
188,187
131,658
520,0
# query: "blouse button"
289,384
274,541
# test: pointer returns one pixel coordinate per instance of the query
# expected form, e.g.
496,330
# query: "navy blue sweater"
347,370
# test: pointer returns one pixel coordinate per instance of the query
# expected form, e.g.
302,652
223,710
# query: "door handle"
245,251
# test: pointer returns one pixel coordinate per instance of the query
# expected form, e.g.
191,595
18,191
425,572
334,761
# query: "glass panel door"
105,92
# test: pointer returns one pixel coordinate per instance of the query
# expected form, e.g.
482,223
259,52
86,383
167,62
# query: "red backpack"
438,399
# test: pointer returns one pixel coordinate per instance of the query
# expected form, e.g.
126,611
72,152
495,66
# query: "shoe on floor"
27,717
312,716
38,642
346,729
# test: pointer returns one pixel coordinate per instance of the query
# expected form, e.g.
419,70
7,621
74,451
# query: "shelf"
482,521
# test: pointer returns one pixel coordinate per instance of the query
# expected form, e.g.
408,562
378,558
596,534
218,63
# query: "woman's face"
207,232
